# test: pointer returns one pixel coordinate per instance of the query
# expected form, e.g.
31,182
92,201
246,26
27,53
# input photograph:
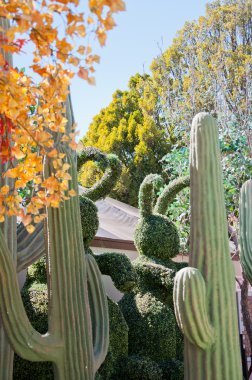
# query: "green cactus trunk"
9,230
204,297
69,315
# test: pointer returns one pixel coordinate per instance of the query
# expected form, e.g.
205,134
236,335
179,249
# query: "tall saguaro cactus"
9,232
204,293
75,344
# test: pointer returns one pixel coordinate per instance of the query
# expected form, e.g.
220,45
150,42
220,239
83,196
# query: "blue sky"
142,30
146,26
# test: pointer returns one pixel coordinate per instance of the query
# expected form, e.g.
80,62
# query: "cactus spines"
246,228
210,257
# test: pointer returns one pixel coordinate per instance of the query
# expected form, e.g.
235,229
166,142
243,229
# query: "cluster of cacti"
154,339
75,343
116,265
204,293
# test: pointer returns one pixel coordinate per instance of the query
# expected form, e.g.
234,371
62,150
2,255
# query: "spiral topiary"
118,266
148,309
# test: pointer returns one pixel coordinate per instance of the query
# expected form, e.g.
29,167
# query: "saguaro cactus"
75,287
246,228
9,232
204,293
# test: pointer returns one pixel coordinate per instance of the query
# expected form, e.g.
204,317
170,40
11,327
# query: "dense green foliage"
237,168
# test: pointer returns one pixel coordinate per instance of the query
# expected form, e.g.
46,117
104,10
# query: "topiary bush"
148,308
118,266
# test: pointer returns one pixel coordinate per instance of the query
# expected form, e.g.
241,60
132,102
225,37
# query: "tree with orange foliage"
37,142
26,137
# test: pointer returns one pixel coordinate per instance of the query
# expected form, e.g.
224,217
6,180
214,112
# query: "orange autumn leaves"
33,113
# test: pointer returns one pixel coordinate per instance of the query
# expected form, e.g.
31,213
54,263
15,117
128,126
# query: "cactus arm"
25,340
99,312
118,266
146,193
112,169
30,247
190,307
246,228
169,194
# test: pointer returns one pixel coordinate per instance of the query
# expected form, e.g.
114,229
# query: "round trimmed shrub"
157,236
